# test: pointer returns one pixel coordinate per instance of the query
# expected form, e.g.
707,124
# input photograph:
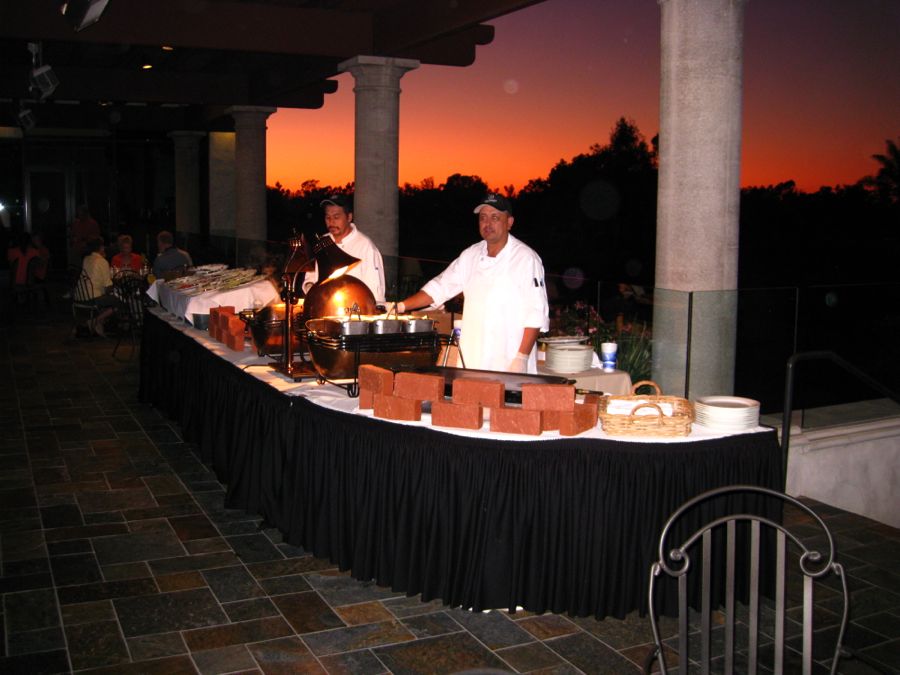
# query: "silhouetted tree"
887,181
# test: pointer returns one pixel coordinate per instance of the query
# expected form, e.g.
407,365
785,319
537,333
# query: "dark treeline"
595,215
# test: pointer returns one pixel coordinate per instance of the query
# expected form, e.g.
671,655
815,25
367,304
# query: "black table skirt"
566,525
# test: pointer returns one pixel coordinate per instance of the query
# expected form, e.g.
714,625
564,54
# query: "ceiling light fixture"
147,66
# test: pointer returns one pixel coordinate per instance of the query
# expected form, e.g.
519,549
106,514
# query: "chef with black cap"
339,222
505,297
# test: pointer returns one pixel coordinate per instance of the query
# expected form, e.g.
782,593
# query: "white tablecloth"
616,382
336,398
257,294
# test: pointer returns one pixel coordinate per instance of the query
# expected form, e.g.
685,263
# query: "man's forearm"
529,337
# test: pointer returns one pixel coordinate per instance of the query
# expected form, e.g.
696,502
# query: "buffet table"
184,305
562,525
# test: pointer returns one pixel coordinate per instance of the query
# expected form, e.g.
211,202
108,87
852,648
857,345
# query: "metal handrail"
789,389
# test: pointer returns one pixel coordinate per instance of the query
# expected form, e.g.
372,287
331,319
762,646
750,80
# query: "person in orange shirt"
19,255
126,259
84,228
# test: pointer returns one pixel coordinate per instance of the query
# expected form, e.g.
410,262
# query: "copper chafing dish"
267,329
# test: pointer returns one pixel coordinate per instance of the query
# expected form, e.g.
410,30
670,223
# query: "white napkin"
626,408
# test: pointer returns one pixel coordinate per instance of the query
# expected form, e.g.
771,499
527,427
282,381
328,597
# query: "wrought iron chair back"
676,561
129,288
84,309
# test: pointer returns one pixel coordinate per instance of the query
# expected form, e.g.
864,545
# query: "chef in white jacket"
502,280
341,228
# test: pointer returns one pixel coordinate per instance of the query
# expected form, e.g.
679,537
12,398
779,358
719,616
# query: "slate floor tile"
253,548
430,625
342,589
96,644
281,585
193,527
75,569
137,546
243,610
232,583
145,647
493,629
307,612
236,633
362,662
165,612
88,612
232,659
30,610
284,656
591,655
353,638
441,655
53,661
528,657
366,612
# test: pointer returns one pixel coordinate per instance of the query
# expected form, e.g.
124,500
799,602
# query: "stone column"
187,181
250,176
221,184
377,151
699,195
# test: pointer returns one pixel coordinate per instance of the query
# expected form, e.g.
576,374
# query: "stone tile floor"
118,556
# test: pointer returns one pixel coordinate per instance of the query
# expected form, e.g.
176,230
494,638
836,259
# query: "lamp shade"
333,261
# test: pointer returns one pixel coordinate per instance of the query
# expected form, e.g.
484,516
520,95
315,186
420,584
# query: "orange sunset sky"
821,95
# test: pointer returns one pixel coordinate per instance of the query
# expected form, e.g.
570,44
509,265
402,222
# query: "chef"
339,222
505,298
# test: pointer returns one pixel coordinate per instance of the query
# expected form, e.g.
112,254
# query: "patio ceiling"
219,53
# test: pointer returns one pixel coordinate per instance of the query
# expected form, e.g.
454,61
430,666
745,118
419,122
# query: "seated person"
19,255
95,267
40,270
170,257
126,259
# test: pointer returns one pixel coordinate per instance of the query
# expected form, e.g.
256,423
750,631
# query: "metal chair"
720,581
128,287
84,308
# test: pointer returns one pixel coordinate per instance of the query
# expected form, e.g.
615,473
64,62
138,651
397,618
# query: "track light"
45,80
83,13
26,119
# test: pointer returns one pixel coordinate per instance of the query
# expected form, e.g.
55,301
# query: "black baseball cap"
338,200
499,202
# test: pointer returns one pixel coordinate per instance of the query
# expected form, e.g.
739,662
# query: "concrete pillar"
377,152
221,185
250,173
187,181
699,195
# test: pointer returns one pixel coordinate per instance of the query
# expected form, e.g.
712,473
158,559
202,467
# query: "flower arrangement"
634,338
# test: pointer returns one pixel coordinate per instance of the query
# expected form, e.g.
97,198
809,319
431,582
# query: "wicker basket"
676,424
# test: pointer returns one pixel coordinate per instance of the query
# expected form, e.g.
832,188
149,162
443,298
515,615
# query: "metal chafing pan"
511,381
419,325
336,356
383,326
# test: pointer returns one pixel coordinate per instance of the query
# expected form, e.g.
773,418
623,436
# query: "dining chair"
129,287
84,309
756,582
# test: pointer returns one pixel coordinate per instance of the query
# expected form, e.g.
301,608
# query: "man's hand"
519,364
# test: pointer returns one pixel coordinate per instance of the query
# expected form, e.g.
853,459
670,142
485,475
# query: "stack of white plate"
727,413
569,358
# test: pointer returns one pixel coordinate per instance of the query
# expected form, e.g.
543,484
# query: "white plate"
728,402
564,339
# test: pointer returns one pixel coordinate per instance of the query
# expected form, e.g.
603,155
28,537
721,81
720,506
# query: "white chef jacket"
504,295
369,270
